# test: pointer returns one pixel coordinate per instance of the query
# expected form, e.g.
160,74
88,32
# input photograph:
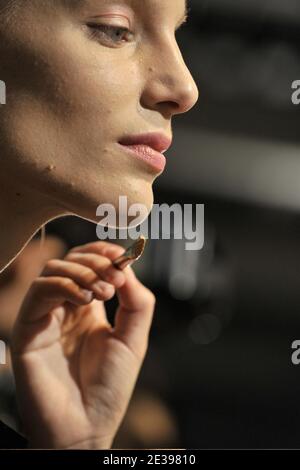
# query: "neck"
22,213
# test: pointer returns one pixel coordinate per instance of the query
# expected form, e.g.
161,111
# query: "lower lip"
155,159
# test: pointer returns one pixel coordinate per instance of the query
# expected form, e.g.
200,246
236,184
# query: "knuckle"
101,263
101,244
37,284
66,283
87,274
104,290
93,247
51,264
75,249
71,255
150,296
39,287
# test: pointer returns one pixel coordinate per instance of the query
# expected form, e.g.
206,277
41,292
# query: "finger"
47,293
135,314
103,248
82,275
101,265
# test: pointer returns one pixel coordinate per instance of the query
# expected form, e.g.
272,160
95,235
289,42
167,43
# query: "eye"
110,35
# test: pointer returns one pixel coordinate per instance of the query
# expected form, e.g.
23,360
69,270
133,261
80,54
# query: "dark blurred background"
218,373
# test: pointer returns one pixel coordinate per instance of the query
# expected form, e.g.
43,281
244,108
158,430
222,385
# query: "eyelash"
101,32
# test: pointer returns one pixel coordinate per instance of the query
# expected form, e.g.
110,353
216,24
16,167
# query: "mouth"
148,147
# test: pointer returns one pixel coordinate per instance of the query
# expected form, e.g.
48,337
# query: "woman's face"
81,75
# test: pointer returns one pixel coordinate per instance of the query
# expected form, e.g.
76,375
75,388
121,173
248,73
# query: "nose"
170,87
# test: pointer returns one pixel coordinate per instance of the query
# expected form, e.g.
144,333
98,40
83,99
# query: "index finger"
103,248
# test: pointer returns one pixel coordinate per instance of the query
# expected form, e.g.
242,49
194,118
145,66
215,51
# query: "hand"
75,373
18,277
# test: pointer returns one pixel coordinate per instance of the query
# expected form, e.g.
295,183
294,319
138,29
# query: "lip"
148,147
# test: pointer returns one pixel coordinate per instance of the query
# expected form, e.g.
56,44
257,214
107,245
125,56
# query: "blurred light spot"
182,286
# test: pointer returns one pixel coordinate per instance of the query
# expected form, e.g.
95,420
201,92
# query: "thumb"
135,314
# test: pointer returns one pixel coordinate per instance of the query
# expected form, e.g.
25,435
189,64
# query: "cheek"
85,79
96,96
97,92
74,95
74,80
92,98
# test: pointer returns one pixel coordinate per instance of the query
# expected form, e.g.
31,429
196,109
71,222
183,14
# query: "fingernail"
100,286
88,295
113,275
110,276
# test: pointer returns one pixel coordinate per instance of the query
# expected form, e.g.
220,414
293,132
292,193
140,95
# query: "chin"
123,199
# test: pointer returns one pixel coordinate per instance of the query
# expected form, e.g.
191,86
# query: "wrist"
96,443
92,444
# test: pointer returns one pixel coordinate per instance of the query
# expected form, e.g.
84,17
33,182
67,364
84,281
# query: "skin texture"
73,93
75,370
16,280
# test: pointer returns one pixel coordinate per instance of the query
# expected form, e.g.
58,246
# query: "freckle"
18,194
151,69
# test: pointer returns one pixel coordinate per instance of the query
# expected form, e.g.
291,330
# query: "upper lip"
157,141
